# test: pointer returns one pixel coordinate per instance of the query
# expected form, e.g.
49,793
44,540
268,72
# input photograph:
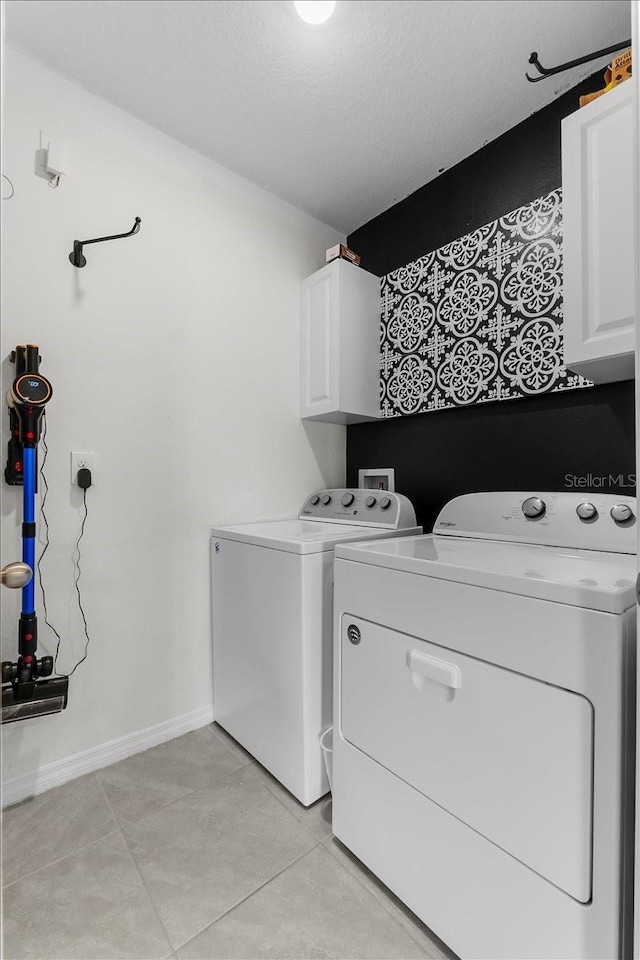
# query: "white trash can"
326,742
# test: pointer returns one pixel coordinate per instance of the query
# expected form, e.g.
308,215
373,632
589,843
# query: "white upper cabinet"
340,344
599,242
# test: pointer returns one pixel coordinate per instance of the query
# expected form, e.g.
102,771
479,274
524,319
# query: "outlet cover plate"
79,460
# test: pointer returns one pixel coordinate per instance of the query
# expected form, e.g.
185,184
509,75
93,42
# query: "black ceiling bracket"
77,257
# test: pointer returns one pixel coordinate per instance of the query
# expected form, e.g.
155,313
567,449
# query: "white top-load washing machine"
273,626
484,721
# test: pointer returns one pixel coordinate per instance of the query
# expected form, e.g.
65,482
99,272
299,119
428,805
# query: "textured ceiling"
342,119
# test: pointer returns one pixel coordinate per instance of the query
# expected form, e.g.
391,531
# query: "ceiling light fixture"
315,11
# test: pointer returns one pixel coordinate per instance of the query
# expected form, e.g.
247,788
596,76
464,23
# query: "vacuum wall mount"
77,257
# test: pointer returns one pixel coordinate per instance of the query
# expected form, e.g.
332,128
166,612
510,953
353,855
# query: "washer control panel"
358,506
592,521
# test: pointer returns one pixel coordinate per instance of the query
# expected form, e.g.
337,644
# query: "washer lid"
581,578
299,536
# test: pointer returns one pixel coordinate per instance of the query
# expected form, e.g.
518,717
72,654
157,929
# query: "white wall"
172,356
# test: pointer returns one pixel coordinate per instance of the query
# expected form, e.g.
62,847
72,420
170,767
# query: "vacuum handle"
32,358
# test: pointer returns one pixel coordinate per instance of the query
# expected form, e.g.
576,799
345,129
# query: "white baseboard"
60,771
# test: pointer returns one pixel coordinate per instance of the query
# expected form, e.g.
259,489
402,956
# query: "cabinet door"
319,382
597,181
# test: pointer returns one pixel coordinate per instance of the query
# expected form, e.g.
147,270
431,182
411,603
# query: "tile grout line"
289,811
314,840
275,794
177,800
382,901
221,740
130,823
249,895
170,802
415,935
298,819
137,869
66,856
185,796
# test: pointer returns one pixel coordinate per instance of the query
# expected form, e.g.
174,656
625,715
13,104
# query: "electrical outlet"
80,460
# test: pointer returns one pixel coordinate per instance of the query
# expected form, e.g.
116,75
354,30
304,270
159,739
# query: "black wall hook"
77,257
551,71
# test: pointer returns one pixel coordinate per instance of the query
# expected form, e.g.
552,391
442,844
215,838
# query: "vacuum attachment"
27,693
48,696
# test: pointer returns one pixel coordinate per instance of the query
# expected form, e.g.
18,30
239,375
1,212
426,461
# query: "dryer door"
508,755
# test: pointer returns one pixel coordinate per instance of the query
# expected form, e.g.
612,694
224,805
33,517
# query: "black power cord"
45,485
84,482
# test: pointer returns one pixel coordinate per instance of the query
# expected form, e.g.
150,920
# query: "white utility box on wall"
599,242
340,344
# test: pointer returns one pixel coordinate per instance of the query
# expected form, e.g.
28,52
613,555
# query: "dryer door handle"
430,675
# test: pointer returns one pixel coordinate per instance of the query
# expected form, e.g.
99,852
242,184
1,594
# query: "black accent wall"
548,442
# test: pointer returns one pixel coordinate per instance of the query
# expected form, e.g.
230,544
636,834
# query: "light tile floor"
191,850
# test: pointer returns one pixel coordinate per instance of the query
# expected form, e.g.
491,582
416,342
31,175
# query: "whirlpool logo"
447,523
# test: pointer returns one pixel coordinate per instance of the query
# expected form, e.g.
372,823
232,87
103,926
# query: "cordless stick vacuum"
25,690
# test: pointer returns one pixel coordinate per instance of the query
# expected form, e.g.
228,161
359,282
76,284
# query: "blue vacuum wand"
25,690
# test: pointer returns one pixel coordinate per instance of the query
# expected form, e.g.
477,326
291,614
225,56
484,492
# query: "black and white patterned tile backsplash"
480,319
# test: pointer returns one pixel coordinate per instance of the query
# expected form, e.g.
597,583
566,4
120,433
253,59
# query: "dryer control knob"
587,511
347,499
370,502
622,513
385,503
534,508
314,499
326,499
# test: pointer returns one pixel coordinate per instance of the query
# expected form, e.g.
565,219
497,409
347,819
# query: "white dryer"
484,721
273,626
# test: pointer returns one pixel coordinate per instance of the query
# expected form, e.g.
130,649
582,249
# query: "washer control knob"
326,499
314,499
385,503
347,499
370,502
586,511
622,512
534,508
